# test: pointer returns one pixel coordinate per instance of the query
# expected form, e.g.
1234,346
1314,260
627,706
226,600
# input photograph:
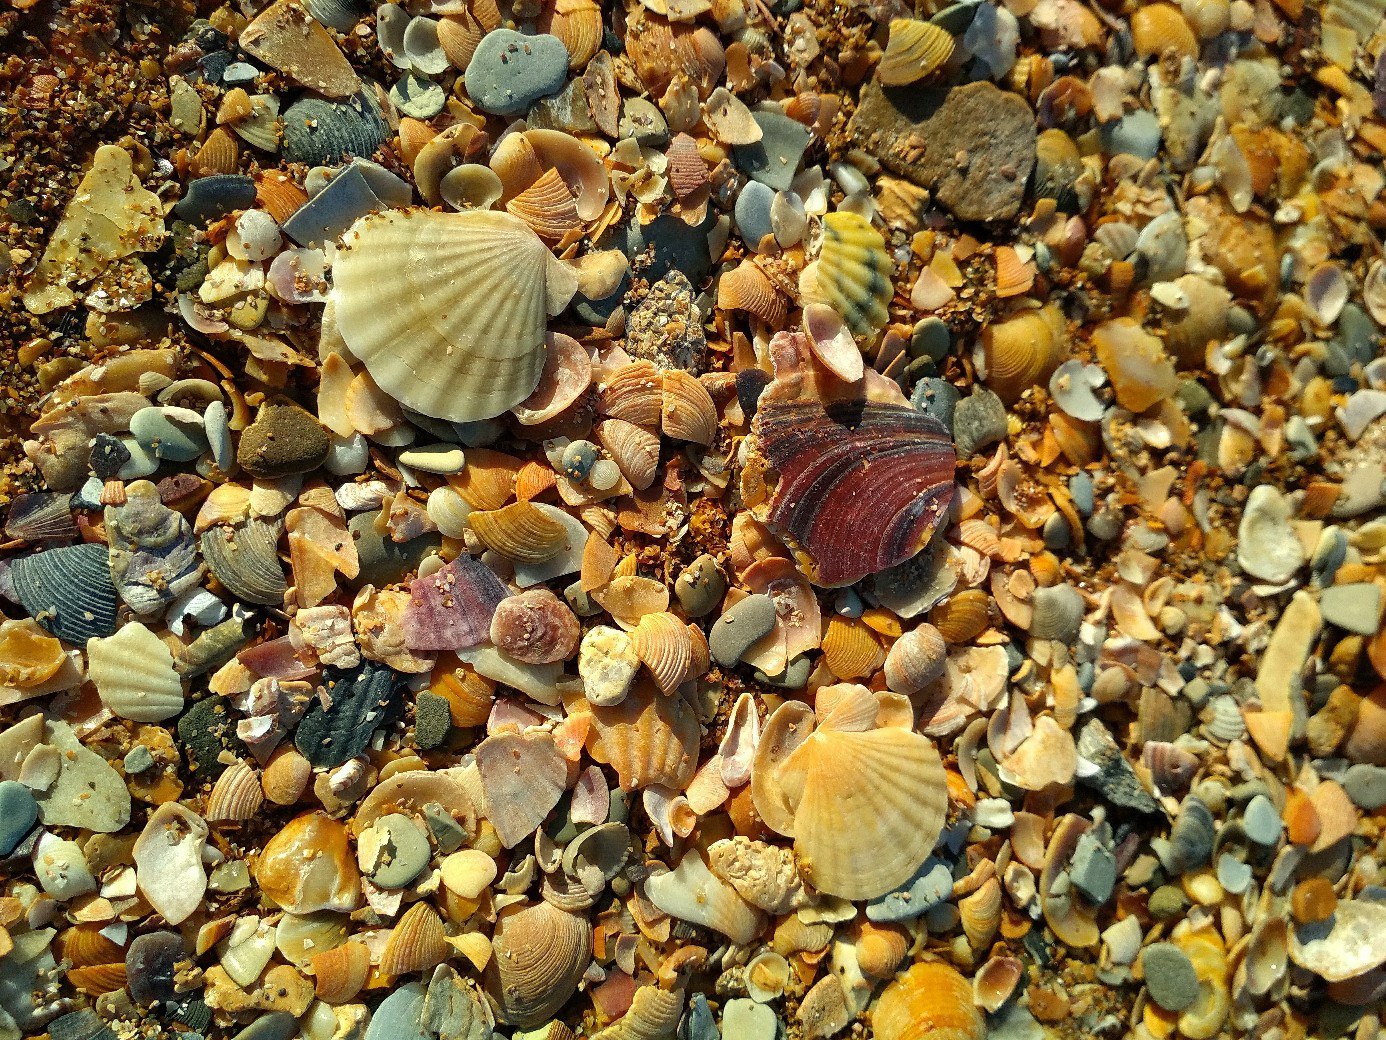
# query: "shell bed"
693,520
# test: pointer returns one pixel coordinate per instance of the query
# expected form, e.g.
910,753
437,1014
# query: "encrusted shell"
914,50
417,943
540,955
853,272
649,739
237,796
915,660
243,558
134,674
1022,351
693,893
687,412
535,627
930,1001
463,338
662,50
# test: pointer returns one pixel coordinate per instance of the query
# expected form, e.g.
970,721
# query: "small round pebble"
1169,975
578,459
283,440
936,397
510,71
1366,786
432,721
978,421
753,213
700,587
18,814
277,1025
931,339
735,631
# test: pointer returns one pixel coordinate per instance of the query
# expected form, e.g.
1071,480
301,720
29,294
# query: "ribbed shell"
134,674
548,206
915,660
654,1015
540,955
462,334
520,531
1022,351
931,1001
661,50
647,738
340,973
578,23
634,449
633,393
68,591
853,272
244,559
747,288
237,795
665,648
850,650
687,412
914,50
417,943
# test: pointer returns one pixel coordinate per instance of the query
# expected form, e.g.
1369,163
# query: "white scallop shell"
134,674
448,311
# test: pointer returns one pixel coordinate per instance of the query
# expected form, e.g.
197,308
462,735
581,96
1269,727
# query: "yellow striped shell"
915,49
853,272
134,674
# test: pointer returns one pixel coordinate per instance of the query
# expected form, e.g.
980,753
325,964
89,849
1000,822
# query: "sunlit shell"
96,979
858,484
463,338
134,674
340,973
832,342
747,288
523,159
1354,944
540,954
220,153
1022,351
468,694
440,155
536,627
634,393
648,738
686,170
84,946
520,531
243,558
634,449
68,591
662,50
286,37
850,649
566,376
459,35
1058,165
693,893
237,795
914,50
853,272
309,866
488,479
930,1001
30,658
168,861
1201,320
981,913
996,982
578,23
629,597
665,647
687,412
915,660
963,617
417,943
890,782
654,1012
547,206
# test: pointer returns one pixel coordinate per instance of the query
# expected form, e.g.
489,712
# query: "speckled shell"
914,50
649,739
1022,351
853,272
134,674
236,797
687,412
540,954
930,1001
536,627
578,23
661,50
463,336
243,558
417,943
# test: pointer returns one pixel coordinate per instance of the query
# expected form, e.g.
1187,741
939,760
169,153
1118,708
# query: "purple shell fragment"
451,609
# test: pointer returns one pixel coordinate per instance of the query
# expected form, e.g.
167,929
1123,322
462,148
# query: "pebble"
1115,778
1191,838
753,213
138,760
1093,869
1355,607
926,890
217,426
735,631
1169,975
936,397
699,1022
283,440
700,587
400,1016
1366,786
794,677
774,159
140,461
149,964
1136,133
418,97
747,1020
277,1025
383,560
432,721
175,434
209,198
931,339
18,814
1261,822
347,455
643,121
434,458
510,71
1167,901
978,421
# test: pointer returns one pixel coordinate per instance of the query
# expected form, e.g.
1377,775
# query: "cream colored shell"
134,674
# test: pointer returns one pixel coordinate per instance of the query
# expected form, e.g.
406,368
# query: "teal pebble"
18,814
400,1016
278,1025
774,159
176,434
142,462
510,71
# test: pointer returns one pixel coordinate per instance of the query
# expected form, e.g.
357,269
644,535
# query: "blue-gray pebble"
774,159
753,212
18,814
931,886
510,71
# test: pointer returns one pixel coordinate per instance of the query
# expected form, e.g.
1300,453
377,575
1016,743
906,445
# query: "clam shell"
96,979
687,412
1022,351
417,943
522,777
67,590
853,272
633,392
243,558
995,983
1351,943
930,1001
693,893
747,288
880,948
237,796
650,740
1058,165
662,50
289,39
686,169
339,973
962,617
634,449
319,132
578,23
168,861
548,206
832,342
981,913
540,955
850,649
535,627
915,660
469,695
914,50
459,35
520,531
566,376
84,946
40,516
665,647
465,338
134,674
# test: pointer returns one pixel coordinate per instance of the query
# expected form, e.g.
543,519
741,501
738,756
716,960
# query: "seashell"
465,340
452,608
1267,955
687,412
890,781
930,1001
980,913
522,160
84,946
767,975
1022,351
764,875
287,38
153,555
662,50
33,662
308,865
66,590
286,776
417,943
459,35
340,973
607,663
469,695
440,155
693,893
1058,166
996,982
168,861
916,660
914,50
243,558
40,516
470,186
634,393
548,206
237,795
566,376
278,195
836,456
686,169
1135,361
1202,320
634,449
654,1014
319,132
540,955
520,531
522,778
880,948
650,740
853,272
629,597
665,647
578,23
134,674
535,627
963,617
850,650
97,979
747,288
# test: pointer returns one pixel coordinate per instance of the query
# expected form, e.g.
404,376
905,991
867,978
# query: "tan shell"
134,674
540,955
686,170
469,695
654,1012
417,943
747,288
995,983
1013,276
981,913
566,376
931,1001
649,739
578,23
459,35
634,393
278,196
237,795
1022,351
881,948
96,979
914,50
341,972
915,660
488,479
220,153
665,647
520,531
548,206
662,50
962,617
634,449
286,776
286,37
850,649
687,412
84,945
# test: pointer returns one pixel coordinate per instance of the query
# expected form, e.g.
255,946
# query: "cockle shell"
340,973
930,1001
889,781
853,272
463,338
981,913
662,50
237,795
654,1015
914,50
648,738
548,206
67,590
520,531
134,674
665,647
850,649
243,558
578,23
852,479
1022,351
417,943
634,449
633,392
747,288
687,412
540,955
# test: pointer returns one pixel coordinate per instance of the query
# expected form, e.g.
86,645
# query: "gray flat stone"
18,814
510,71
739,627
1169,975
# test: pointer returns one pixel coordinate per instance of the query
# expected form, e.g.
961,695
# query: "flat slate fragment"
362,700
973,146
